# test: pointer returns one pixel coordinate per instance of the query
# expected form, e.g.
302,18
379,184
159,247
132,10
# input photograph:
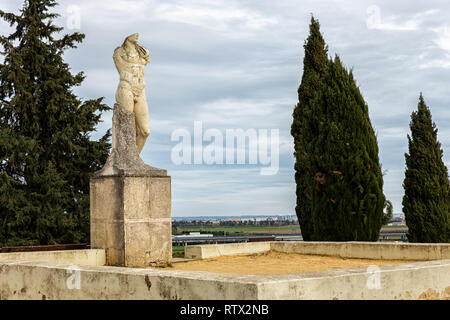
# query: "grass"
241,230
393,227
177,252
250,230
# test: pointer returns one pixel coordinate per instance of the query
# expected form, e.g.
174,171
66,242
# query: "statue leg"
142,121
125,98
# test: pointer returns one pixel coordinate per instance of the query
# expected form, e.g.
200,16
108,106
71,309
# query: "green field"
241,230
177,251
249,230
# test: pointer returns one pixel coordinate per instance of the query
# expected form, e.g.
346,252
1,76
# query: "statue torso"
131,69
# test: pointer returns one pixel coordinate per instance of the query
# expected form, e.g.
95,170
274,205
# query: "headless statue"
130,59
130,123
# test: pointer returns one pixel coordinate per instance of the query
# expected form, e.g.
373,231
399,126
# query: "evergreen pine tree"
347,200
46,155
426,202
314,64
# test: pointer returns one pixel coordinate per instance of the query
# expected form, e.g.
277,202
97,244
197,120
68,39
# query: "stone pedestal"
130,218
130,203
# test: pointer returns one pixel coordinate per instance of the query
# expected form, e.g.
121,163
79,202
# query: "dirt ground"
273,262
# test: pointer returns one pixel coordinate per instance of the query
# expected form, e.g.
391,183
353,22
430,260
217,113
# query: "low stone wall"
49,281
43,280
368,250
82,275
420,280
362,250
88,257
216,250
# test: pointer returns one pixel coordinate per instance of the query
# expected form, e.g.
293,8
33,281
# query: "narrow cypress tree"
426,202
348,201
46,155
314,64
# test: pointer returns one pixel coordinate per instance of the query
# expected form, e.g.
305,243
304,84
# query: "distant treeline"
267,222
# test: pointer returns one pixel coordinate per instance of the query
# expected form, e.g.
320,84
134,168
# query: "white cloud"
443,40
393,133
440,63
235,112
377,20
220,17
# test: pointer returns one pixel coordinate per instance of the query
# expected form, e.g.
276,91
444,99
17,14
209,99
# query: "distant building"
397,221
195,234
233,220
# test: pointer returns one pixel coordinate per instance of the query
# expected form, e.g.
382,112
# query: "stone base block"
131,219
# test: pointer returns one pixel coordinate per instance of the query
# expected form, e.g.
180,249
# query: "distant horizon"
236,216
252,215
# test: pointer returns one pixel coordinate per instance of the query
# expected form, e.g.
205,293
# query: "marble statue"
130,122
130,59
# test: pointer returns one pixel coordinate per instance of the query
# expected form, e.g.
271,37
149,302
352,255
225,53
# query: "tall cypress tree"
426,202
347,200
314,64
46,153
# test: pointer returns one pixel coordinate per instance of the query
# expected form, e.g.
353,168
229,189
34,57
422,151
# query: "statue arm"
118,60
144,54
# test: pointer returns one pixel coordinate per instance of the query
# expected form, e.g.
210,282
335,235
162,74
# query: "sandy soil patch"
273,262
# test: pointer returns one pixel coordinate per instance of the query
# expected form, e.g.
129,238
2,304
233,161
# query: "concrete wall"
364,250
368,250
216,250
43,280
80,274
88,257
420,280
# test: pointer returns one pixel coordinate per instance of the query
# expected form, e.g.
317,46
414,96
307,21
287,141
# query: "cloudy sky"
237,64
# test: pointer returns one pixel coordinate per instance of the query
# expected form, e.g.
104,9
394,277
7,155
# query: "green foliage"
426,202
314,64
46,155
337,170
348,200
388,215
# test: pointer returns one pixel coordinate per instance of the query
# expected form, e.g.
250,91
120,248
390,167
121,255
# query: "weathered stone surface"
124,159
130,60
351,249
367,250
24,276
131,219
85,257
